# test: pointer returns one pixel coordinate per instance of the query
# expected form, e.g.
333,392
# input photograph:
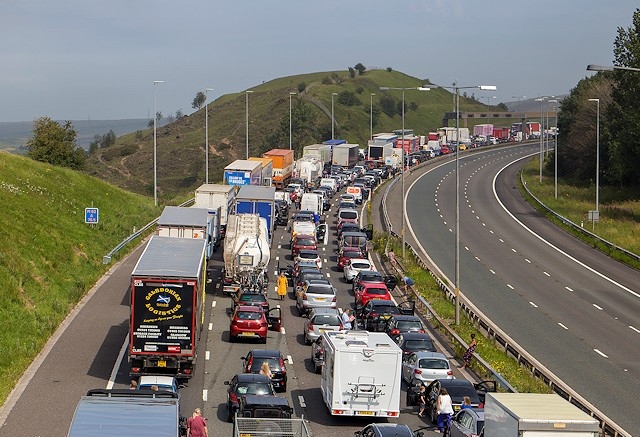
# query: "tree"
413,106
374,112
389,69
359,89
352,72
348,98
301,87
179,114
388,104
361,68
198,100
503,107
55,144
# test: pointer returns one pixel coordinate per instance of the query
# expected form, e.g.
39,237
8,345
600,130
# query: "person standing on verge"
197,425
444,407
469,353
282,285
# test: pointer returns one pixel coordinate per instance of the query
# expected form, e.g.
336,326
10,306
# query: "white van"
311,202
330,182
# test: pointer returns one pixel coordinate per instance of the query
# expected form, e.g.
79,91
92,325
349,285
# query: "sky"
84,59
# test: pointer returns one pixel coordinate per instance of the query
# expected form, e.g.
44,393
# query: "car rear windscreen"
249,315
326,320
414,345
376,291
433,363
305,242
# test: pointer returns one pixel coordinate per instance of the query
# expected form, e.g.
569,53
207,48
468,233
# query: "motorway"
88,352
568,305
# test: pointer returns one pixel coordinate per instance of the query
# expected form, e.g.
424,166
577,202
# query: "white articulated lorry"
198,223
535,415
361,374
214,196
246,253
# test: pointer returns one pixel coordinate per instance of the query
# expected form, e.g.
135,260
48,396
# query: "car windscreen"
433,363
249,315
326,319
305,242
349,215
377,291
319,290
409,324
251,388
457,393
416,345
274,364
252,297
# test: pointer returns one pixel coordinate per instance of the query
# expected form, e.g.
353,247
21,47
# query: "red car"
346,254
253,322
371,290
303,242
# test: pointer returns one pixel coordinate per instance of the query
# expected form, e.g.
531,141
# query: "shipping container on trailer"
181,222
282,166
267,169
243,172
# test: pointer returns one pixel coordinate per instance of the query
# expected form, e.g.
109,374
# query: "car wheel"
315,366
232,339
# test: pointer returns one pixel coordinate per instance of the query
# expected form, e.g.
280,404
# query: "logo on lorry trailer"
163,302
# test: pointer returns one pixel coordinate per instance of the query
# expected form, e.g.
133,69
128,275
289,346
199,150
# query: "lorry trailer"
243,172
258,200
346,155
180,222
214,196
282,166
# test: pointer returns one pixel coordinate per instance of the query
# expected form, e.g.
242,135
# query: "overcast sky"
83,59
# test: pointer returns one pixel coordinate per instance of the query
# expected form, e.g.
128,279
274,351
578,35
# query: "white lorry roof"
171,258
349,340
538,407
179,216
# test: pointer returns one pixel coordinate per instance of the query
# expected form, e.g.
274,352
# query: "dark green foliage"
389,69
361,68
348,98
198,100
503,107
55,144
352,72
326,80
301,87
179,114
337,79
388,104
374,113
359,90
399,107
305,129
413,106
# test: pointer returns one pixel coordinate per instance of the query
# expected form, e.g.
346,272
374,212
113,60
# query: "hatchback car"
246,384
315,295
252,322
425,367
308,275
348,227
309,255
467,422
252,298
374,315
387,430
303,242
162,382
411,342
320,320
354,266
346,254
457,389
404,323
371,290
254,359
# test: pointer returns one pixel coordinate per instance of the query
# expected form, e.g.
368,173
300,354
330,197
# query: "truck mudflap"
250,427
180,367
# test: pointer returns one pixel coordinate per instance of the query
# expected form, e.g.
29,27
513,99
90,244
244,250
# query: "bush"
326,80
389,69
302,86
359,90
348,98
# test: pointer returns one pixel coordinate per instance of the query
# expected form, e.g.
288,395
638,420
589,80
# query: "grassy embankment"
49,257
619,210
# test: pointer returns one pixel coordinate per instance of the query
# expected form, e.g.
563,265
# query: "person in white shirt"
347,319
444,409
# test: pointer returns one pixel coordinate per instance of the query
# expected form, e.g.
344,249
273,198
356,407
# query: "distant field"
13,136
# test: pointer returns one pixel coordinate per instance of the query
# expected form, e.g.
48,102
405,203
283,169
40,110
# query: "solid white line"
207,355
302,402
213,304
116,366
597,307
635,329
533,304
205,395
510,286
600,353
210,326
562,325
289,359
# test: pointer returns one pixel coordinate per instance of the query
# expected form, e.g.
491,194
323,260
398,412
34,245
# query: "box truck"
258,200
243,172
179,222
534,414
282,166
267,169
167,297
312,202
361,374
214,196
483,129
321,152
379,152
345,155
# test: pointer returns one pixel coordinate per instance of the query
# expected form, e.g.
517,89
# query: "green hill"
180,145
49,256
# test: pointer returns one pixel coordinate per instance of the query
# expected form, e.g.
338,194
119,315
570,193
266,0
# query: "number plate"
248,334
162,363
364,413
320,299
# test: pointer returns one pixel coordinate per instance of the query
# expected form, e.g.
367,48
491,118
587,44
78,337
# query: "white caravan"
361,375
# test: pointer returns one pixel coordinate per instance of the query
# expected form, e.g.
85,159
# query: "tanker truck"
246,253
309,169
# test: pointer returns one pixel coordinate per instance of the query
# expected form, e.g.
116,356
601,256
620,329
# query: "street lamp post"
541,100
246,93
155,145
402,154
597,156
457,248
332,118
206,133
555,147
290,138
595,67
371,116
488,98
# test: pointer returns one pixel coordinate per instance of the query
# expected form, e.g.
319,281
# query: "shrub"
301,87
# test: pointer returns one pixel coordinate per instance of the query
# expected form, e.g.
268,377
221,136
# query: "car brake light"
263,324
249,363
282,365
304,296
421,331
233,398
135,370
417,371
335,299
310,326
450,372
395,331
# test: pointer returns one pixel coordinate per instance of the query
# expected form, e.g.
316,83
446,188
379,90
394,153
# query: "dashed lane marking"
289,359
205,395
599,352
210,326
568,288
213,304
207,355
597,307
533,304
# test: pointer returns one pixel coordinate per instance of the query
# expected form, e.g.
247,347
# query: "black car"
411,342
252,298
348,227
246,384
303,216
457,390
374,315
267,407
387,430
254,359
402,324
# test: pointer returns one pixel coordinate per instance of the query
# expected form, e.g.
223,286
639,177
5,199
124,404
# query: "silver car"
320,320
314,295
425,367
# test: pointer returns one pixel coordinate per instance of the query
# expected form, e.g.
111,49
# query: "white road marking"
600,353
277,258
510,286
466,248
514,251
561,325
114,371
546,273
289,359
213,304
328,275
302,403
491,232
279,246
597,307
325,260
210,326
278,306
207,355
568,288
478,259
635,329
501,240
205,395
492,272
533,304
527,260
282,331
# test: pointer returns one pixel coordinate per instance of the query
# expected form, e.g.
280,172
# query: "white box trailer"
212,196
535,415
361,375
180,222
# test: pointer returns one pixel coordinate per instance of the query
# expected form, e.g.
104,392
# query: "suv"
265,407
246,384
274,359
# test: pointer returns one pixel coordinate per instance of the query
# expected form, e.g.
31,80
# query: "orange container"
282,165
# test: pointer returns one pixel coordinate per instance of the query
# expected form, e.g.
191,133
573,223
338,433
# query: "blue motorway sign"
91,215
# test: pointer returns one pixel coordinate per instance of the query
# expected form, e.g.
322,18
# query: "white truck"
246,253
214,196
361,375
346,155
535,415
322,152
312,202
179,222
309,168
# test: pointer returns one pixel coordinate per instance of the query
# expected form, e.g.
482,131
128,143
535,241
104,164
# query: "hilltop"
50,257
180,145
